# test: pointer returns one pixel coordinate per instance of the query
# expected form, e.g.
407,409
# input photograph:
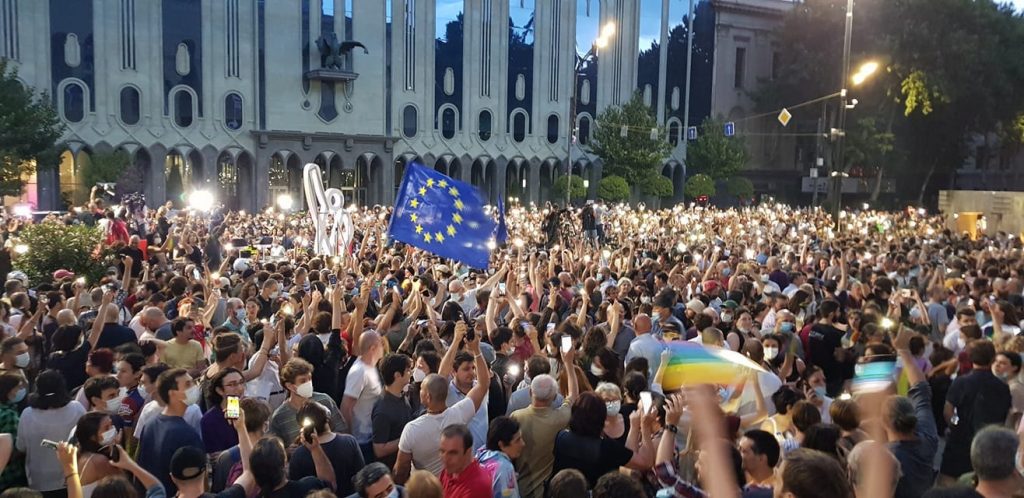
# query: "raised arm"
445,369
483,375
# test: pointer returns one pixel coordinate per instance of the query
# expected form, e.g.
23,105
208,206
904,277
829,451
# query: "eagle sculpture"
332,51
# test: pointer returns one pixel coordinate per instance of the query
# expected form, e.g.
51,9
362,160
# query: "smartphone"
307,430
332,279
550,327
49,444
196,275
566,343
501,288
874,373
645,402
231,413
906,293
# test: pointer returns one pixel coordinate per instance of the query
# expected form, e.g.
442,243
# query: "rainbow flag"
691,363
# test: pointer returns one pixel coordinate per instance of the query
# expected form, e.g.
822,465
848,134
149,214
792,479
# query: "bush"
741,187
53,245
656,185
578,190
613,189
698,185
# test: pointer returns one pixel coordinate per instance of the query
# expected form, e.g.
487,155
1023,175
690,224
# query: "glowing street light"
285,202
201,200
865,71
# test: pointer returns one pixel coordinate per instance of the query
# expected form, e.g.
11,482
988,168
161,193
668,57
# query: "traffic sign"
730,129
785,117
691,133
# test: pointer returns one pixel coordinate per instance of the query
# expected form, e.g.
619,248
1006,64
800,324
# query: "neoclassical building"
235,96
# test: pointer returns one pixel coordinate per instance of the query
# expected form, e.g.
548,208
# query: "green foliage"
53,245
578,190
715,154
698,185
613,189
741,187
656,185
634,156
28,134
105,167
867,143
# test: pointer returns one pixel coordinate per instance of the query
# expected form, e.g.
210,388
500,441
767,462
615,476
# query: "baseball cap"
61,274
188,463
730,304
695,305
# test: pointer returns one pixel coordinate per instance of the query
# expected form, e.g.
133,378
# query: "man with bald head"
156,324
362,390
539,423
645,344
419,444
113,334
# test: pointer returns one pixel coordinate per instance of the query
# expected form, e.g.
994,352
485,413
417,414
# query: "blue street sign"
691,133
730,129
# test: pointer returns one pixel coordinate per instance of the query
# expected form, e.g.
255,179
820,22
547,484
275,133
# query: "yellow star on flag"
430,182
438,237
454,192
459,205
413,217
414,203
451,231
419,229
427,237
423,191
457,218
442,183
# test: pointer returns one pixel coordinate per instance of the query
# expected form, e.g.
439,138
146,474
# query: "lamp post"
602,41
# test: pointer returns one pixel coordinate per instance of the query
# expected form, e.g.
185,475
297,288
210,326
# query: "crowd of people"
220,357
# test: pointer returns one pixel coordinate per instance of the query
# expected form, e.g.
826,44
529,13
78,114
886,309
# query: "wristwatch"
673,429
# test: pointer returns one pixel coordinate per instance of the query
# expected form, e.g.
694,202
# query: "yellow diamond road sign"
784,117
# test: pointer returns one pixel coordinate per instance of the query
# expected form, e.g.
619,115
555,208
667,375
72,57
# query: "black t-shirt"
114,335
822,342
71,364
233,491
592,456
390,415
266,307
980,399
301,488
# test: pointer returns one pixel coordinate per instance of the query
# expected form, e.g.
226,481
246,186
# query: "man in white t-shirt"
362,390
419,444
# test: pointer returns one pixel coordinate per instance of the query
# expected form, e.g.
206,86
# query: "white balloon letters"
332,223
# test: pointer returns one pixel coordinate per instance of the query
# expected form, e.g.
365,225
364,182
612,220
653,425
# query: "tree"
105,167
635,154
578,190
29,132
715,154
698,185
613,189
52,246
740,187
656,185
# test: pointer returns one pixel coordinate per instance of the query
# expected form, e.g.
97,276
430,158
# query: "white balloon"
327,207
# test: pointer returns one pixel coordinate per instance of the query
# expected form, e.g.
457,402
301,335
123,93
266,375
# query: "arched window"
448,123
552,128
484,125
233,111
673,133
129,105
74,102
409,121
584,131
519,126
183,108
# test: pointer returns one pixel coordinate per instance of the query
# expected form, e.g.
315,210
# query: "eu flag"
443,216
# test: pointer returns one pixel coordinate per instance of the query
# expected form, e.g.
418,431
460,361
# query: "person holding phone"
50,415
96,436
218,434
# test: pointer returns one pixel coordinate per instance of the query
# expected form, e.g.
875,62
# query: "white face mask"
305,389
114,405
418,375
107,438
727,317
596,370
770,353
613,407
192,395
21,361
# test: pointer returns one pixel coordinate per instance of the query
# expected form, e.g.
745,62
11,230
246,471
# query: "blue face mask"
820,391
787,327
240,313
20,395
726,272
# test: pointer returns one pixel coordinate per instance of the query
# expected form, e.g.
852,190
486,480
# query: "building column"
156,179
533,181
261,181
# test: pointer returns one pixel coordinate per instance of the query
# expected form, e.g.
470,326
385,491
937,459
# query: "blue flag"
502,231
442,216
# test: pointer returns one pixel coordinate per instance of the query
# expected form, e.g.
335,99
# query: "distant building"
235,96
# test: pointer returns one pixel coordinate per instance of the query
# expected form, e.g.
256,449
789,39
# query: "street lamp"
865,71
607,31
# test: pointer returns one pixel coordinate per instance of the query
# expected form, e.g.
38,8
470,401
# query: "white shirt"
193,416
421,438
952,340
266,385
478,426
363,384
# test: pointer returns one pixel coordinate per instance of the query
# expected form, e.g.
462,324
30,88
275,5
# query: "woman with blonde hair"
423,484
